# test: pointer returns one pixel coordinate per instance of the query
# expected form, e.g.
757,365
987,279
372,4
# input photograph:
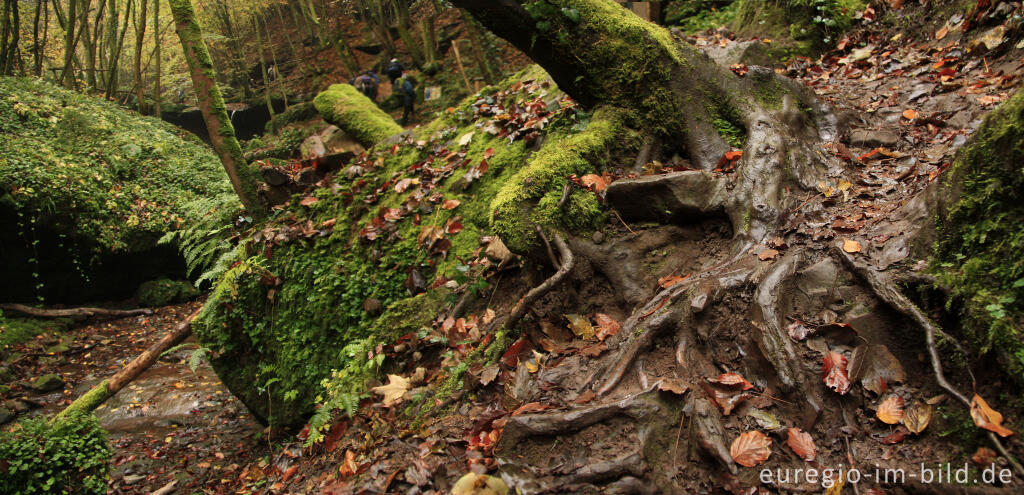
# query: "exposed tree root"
524,304
887,292
74,312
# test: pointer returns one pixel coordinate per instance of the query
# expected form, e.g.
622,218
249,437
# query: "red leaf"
289,473
511,356
801,443
392,214
834,373
751,448
594,182
454,226
606,326
670,280
451,204
488,153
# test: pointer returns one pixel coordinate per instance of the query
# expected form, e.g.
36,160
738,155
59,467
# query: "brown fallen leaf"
349,467
586,397
917,416
594,350
890,411
910,114
875,367
594,182
751,448
984,456
451,204
674,385
987,418
895,437
670,280
941,33
802,443
606,326
308,200
833,372
851,246
768,254
799,330
732,380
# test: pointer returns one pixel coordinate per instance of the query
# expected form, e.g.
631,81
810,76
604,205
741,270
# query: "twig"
888,292
624,224
82,312
547,245
565,195
568,261
794,210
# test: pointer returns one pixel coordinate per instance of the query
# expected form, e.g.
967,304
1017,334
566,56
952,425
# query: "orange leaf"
801,443
732,380
768,254
451,204
606,326
349,467
987,418
851,246
942,33
308,200
733,155
670,280
909,114
890,411
674,385
834,373
594,182
984,456
751,448
488,153
289,473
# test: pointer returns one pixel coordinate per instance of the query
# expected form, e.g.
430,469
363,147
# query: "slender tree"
157,41
211,104
140,37
263,67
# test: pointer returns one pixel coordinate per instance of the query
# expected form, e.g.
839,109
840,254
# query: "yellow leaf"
394,390
851,246
890,411
581,326
917,416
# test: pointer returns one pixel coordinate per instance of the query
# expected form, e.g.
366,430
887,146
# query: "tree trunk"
263,69
483,62
67,76
273,59
211,103
106,389
157,90
140,37
117,45
401,8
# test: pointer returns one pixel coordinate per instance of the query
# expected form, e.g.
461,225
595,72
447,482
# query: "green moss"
516,210
165,291
17,330
344,106
979,254
88,402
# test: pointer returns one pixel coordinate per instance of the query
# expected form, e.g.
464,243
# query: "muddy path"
170,425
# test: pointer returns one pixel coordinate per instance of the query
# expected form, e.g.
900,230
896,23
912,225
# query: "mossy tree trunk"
140,37
211,103
157,110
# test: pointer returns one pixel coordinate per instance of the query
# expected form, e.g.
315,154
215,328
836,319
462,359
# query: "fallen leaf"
984,456
488,153
529,408
581,326
890,411
941,33
585,397
751,448
910,114
674,385
987,418
894,438
606,326
917,416
479,484
833,372
594,350
768,254
732,380
851,246
802,443
394,390
289,473
404,184
594,182
451,204
875,367
799,330
670,280
349,467
308,200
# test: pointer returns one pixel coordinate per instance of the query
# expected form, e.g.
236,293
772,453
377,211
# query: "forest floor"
910,107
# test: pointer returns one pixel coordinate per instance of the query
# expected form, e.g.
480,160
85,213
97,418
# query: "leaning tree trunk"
731,312
211,103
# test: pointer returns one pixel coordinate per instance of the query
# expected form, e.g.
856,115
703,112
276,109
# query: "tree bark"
73,312
479,55
157,90
140,37
107,388
211,103
263,68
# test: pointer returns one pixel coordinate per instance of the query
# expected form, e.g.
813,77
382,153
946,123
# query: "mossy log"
344,106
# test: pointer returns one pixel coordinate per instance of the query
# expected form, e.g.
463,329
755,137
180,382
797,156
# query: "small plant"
70,455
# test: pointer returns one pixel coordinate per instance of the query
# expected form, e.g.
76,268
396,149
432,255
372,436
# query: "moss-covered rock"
164,291
48,383
82,179
979,253
286,315
344,106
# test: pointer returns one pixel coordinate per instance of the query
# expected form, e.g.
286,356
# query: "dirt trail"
169,424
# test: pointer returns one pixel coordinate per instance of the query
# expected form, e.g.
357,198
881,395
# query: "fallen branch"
107,388
568,261
73,312
887,292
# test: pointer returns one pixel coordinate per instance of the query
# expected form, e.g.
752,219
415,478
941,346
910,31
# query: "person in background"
367,84
394,71
407,92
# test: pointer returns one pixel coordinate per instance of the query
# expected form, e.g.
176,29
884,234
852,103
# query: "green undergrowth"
68,456
814,25
15,330
979,253
696,16
287,315
83,166
344,106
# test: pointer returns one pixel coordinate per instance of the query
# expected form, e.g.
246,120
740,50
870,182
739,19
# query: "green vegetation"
814,24
17,330
979,254
68,456
344,106
164,291
84,167
700,15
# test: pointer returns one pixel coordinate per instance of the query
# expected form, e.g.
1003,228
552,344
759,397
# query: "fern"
345,387
206,243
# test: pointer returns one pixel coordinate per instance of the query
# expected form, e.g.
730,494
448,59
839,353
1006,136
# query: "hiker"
394,71
367,84
407,92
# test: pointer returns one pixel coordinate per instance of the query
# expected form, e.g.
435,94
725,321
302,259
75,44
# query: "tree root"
74,312
885,290
567,264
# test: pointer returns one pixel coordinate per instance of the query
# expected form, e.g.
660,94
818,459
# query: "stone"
743,52
338,141
48,383
676,196
307,176
6,415
6,375
312,147
274,176
874,138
